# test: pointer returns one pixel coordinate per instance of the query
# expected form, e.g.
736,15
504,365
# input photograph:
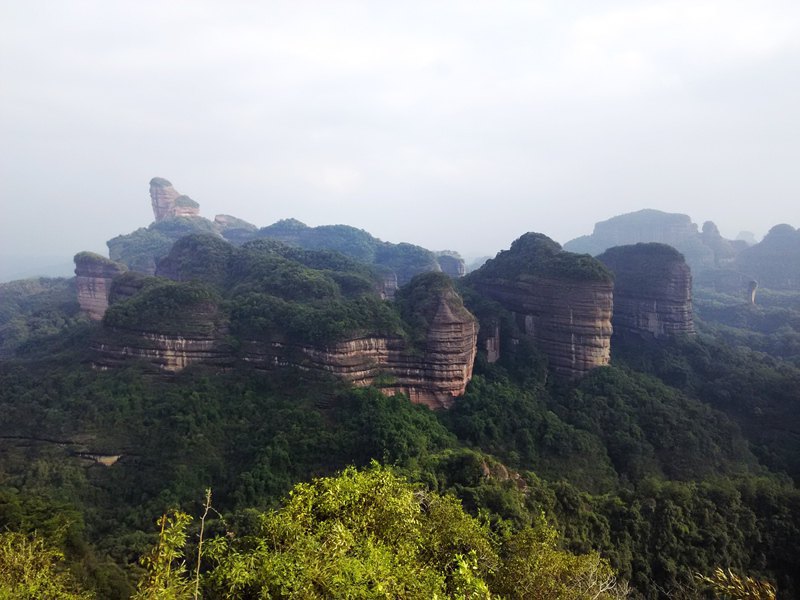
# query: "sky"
450,124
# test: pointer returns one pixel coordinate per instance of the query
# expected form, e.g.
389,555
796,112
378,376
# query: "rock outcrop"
562,301
167,202
434,374
168,325
451,264
652,290
173,324
94,274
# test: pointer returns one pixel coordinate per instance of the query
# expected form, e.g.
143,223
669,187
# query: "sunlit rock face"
652,290
167,202
562,301
94,274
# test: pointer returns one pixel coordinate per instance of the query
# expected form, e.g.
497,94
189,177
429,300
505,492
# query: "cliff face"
433,375
167,202
451,264
652,290
174,324
561,300
94,274
167,325
570,322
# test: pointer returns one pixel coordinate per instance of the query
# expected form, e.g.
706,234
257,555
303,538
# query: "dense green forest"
681,457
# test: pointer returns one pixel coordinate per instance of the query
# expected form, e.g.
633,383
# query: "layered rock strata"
652,290
569,321
167,202
195,336
433,375
94,274
433,369
562,301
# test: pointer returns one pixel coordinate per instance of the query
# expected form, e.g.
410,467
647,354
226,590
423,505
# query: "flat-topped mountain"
561,300
652,290
649,225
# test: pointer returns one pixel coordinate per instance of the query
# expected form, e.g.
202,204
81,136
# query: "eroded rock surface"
562,301
434,375
652,290
94,274
167,202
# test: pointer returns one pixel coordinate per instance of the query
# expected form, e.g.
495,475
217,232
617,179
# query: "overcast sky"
455,125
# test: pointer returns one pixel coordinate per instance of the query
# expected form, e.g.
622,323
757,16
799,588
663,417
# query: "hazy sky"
454,125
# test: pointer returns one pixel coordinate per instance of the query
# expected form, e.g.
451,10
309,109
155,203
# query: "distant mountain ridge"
729,266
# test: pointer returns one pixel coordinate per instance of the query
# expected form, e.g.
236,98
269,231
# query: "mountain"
597,401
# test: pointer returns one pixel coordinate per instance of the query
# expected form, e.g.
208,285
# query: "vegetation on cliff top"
536,255
643,267
86,258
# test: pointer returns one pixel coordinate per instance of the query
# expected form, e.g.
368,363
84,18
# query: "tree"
30,569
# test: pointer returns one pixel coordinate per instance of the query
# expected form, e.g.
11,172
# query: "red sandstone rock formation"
652,290
93,277
167,202
562,301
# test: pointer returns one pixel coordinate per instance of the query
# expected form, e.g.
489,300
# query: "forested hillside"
680,457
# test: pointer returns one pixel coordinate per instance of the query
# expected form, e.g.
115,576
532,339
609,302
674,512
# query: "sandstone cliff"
434,375
652,290
273,307
168,325
167,202
561,300
94,274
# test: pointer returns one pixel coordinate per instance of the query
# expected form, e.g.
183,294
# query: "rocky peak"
652,290
167,202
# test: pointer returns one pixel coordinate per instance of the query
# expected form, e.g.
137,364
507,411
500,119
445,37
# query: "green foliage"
361,534
34,309
536,255
167,308
371,534
419,301
639,267
533,566
756,391
405,260
142,249
166,574
30,569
